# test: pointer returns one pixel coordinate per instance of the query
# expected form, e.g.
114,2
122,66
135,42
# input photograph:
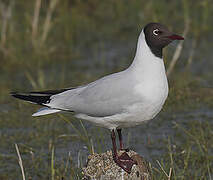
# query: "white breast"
151,85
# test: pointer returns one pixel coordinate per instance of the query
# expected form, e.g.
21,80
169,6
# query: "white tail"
44,111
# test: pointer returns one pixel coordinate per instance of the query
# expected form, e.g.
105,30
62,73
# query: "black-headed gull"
123,99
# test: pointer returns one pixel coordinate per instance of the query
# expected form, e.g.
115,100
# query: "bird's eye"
156,32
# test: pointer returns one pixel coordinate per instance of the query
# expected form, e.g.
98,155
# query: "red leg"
124,161
114,148
120,139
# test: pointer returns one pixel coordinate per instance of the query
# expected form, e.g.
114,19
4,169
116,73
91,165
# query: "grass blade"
20,162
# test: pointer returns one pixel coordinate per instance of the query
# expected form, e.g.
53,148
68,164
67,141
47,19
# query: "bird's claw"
125,162
124,149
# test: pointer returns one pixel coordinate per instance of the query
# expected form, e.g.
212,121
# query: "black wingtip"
17,94
14,94
39,97
33,98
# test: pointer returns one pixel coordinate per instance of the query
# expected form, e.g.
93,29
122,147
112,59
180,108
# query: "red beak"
175,37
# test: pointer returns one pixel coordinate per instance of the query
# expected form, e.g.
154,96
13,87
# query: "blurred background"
52,44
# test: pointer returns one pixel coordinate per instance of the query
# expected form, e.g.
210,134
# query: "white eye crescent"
156,32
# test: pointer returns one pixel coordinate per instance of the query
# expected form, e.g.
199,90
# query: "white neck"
145,61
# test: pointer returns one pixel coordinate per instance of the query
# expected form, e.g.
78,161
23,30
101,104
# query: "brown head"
158,36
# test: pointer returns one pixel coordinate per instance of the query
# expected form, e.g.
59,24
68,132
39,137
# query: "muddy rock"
103,167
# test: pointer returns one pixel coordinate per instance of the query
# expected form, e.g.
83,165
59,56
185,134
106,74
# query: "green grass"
187,152
189,155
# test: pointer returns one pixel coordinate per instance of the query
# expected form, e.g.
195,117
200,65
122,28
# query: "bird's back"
105,97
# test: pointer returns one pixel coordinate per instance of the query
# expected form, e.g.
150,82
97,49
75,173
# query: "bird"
124,99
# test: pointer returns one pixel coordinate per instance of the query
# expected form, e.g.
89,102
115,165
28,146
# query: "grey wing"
104,97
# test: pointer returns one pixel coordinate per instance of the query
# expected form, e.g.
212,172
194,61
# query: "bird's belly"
134,115
138,113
